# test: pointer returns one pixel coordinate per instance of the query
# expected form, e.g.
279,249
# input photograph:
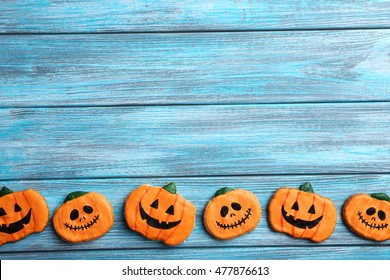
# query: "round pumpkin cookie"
368,215
231,213
160,213
302,213
21,214
83,216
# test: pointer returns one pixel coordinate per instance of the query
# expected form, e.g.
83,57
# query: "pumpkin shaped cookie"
302,213
160,213
231,213
21,214
368,215
83,216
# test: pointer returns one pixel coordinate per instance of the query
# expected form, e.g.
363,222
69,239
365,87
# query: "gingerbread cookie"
83,216
21,214
231,213
160,213
302,213
368,215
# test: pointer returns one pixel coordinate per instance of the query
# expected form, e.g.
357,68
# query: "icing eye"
312,210
74,214
371,211
381,215
2,212
88,209
224,211
236,206
154,204
295,206
170,210
17,208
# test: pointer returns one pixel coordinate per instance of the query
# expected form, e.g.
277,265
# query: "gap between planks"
70,106
195,176
191,31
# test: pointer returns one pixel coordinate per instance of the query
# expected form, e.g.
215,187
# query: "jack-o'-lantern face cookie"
231,213
368,215
302,213
21,214
160,213
83,216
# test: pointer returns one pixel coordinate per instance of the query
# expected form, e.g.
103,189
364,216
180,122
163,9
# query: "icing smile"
299,223
237,223
83,227
372,226
16,226
154,222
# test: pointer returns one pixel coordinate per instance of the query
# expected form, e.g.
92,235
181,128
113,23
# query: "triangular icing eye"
312,210
170,210
154,204
2,212
17,208
295,206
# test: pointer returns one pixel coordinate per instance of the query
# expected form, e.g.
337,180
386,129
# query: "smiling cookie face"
159,213
231,213
83,217
302,214
368,215
21,213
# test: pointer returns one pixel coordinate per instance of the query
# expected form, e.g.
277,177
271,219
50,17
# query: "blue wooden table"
108,95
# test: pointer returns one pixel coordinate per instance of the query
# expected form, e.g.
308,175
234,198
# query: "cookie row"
160,213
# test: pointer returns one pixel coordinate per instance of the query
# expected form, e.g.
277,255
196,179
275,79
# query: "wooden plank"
198,190
200,68
220,253
194,140
173,15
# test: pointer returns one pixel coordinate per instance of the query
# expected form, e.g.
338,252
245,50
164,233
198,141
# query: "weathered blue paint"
218,253
195,140
201,68
190,15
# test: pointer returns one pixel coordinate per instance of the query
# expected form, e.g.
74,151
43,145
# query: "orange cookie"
21,214
368,215
302,213
159,213
231,213
83,216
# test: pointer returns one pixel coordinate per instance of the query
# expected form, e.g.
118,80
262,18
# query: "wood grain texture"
194,140
172,15
201,68
199,190
218,253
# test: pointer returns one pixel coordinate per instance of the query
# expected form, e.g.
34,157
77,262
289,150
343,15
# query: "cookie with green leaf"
84,216
160,213
368,215
21,214
302,213
231,213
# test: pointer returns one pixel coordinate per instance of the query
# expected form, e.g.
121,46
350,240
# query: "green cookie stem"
170,187
223,191
74,195
306,187
380,196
